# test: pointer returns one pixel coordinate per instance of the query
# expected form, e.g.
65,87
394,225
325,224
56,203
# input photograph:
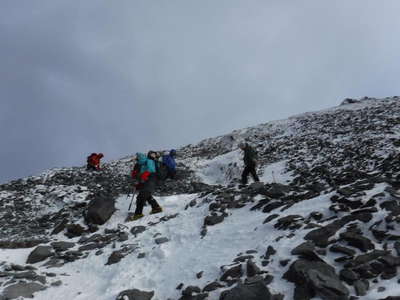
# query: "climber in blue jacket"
169,161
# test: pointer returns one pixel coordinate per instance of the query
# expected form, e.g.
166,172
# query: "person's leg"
171,174
89,167
140,201
155,207
245,174
253,173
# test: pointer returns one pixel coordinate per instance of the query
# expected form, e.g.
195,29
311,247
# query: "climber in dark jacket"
250,163
145,172
170,163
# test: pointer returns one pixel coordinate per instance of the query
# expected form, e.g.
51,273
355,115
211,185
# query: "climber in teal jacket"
145,171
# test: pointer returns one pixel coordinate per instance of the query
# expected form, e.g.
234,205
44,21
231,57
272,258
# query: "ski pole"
133,196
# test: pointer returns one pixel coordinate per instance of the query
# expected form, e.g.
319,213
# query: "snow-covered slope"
323,224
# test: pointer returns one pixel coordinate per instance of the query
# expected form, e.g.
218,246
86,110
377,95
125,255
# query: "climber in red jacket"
93,161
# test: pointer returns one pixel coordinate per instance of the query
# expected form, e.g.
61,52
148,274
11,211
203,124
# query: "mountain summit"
323,222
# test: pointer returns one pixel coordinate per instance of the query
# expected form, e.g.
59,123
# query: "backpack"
90,158
161,170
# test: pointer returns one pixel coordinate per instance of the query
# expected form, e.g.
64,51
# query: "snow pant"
142,198
171,174
249,169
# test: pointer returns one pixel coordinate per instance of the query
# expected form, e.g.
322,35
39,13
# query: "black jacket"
250,156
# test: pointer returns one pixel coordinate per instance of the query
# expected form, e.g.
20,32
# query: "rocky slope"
324,222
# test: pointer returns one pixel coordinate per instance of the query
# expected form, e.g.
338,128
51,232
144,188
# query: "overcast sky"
121,76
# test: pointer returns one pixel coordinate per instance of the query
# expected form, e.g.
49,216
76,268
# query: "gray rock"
234,272
252,269
135,230
212,286
100,210
190,290
62,246
253,291
135,295
161,240
361,288
357,240
318,277
213,220
22,289
39,254
115,257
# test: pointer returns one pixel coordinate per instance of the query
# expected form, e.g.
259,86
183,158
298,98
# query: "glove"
145,176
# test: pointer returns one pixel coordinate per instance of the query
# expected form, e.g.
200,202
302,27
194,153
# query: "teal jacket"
145,163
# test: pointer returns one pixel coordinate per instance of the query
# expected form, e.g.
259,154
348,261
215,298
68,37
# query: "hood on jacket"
141,158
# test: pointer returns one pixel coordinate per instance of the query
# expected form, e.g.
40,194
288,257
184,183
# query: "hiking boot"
137,217
156,210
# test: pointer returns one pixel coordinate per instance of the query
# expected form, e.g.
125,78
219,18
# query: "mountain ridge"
330,186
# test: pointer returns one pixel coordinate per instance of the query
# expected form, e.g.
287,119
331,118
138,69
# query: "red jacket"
94,160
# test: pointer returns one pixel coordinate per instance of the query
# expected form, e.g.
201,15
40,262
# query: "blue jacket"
169,161
145,163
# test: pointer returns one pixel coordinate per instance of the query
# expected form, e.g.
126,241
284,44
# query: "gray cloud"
123,76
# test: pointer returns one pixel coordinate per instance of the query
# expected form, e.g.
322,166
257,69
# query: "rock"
289,222
199,275
212,286
213,220
22,289
161,240
270,251
74,230
270,218
273,205
365,258
276,190
254,291
306,250
40,253
60,227
115,257
123,236
361,288
56,283
315,278
252,269
100,210
62,246
135,295
87,247
357,241
340,249
321,236
348,276
234,272
135,230
190,290
243,258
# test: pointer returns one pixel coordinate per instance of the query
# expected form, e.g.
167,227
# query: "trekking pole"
133,196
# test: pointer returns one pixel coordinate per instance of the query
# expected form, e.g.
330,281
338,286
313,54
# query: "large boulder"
249,291
39,254
135,295
100,210
22,289
315,278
